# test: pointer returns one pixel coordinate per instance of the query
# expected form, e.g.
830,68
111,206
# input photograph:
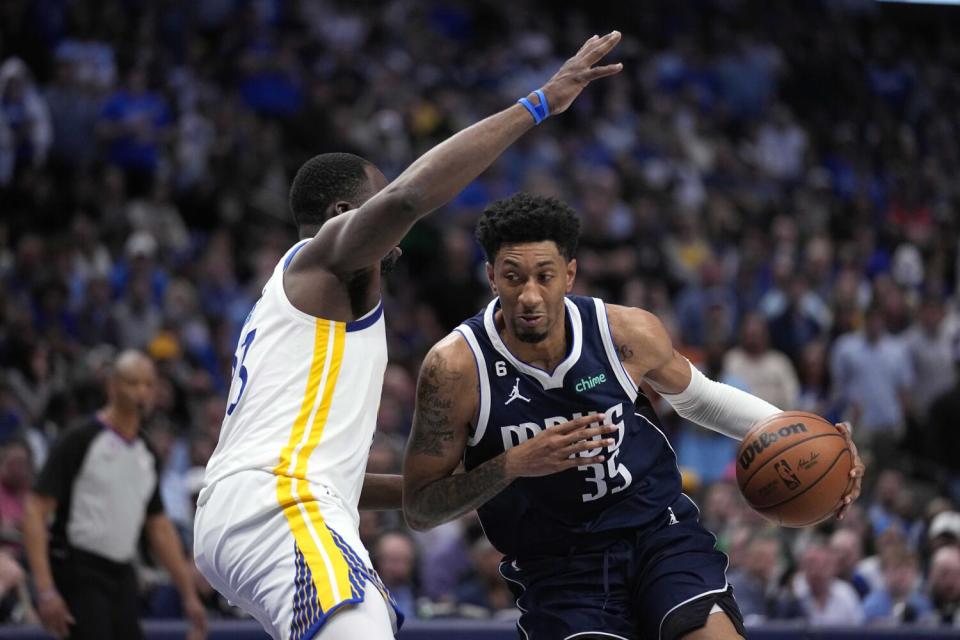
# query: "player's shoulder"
452,354
635,323
639,331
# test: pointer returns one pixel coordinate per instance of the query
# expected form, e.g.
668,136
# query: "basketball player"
276,525
599,542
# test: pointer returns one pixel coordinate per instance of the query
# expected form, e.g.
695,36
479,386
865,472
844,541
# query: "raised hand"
558,448
579,71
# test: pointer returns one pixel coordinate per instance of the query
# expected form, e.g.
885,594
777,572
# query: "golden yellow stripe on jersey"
328,567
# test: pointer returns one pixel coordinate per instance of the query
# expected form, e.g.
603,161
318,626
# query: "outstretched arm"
446,402
647,352
358,239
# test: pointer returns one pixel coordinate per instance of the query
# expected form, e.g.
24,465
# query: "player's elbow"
414,517
415,514
416,523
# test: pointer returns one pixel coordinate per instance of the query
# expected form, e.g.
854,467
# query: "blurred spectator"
756,582
847,548
873,376
900,600
15,604
25,131
74,108
882,511
395,559
944,530
942,433
780,146
445,555
944,582
929,343
483,586
133,122
815,393
707,308
825,599
137,319
767,373
16,478
801,318
158,216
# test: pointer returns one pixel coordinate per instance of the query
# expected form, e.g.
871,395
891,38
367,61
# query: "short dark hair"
524,217
323,180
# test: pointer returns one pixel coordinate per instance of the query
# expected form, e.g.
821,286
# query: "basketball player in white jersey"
276,525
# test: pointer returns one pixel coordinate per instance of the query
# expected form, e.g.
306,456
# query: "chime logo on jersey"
585,384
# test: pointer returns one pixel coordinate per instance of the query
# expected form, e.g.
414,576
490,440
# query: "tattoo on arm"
432,428
625,352
433,432
449,498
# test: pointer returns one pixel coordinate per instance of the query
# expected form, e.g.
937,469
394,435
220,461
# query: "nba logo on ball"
794,468
787,475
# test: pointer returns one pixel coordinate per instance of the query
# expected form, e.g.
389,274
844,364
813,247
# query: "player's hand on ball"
856,473
579,71
558,448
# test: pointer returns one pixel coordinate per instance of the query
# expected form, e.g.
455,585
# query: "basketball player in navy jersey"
563,456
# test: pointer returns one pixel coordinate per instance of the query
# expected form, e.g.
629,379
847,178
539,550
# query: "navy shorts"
656,583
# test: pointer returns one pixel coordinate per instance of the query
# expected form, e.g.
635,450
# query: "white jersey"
304,397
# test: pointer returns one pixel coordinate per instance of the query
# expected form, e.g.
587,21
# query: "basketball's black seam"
811,485
782,451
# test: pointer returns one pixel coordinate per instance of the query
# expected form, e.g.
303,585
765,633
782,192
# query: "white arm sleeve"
719,406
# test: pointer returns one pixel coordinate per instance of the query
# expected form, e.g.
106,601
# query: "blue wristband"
540,112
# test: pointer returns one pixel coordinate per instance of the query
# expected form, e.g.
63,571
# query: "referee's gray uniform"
105,487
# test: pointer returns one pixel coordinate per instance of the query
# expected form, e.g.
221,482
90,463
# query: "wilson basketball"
793,468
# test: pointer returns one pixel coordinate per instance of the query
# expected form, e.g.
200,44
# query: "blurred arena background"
777,181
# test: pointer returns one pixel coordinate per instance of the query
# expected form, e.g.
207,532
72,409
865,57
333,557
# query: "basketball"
793,468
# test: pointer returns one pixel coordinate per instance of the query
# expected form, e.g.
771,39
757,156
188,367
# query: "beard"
526,336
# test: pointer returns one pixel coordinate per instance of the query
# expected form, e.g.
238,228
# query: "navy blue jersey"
635,484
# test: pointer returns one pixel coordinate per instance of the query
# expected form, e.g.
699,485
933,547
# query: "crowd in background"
776,181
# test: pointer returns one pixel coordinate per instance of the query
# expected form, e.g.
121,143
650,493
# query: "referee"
100,485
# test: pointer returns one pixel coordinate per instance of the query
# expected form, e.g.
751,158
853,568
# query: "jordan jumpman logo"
515,394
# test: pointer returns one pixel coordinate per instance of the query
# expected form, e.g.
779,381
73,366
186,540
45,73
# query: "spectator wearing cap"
140,260
900,600
100,486
944,530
